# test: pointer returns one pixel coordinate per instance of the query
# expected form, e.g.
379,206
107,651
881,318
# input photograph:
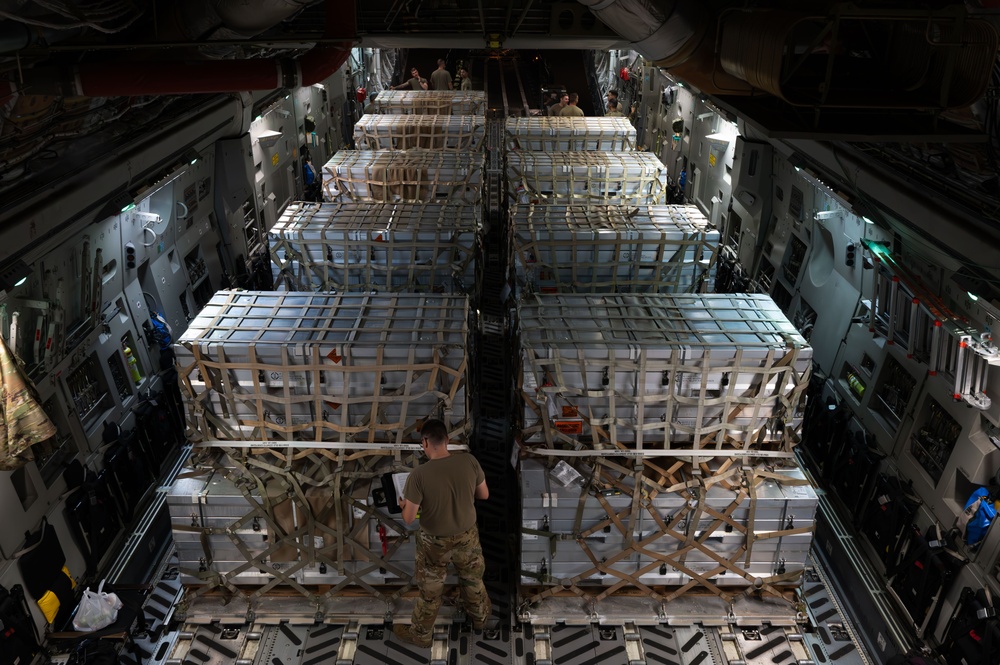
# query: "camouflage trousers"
433,555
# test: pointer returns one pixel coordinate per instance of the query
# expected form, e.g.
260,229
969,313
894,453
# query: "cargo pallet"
431,102
415,176
613,249
323,367
399,247
553,134
456,133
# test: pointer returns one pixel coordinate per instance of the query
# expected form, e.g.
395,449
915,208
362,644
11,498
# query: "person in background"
572,110
370,106
613,111
556,109
312,180
441,78
413,83
466,81
612,96
444,489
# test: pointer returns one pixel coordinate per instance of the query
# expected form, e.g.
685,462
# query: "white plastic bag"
96,610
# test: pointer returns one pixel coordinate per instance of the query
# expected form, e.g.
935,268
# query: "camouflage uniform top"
23,423
445,489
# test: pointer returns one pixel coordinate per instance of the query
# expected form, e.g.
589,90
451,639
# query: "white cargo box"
586,178
403,247
431,102
593,249
731,529
559,134
454,133
657,372
345,368
419,176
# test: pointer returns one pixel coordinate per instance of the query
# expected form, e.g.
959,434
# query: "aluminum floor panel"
209,644
492,647
697,646
281,645
322,644
377,645
833,642
587,645
659,643
155,644
764,646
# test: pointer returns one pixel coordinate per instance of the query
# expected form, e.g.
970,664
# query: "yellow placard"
711,159
275,159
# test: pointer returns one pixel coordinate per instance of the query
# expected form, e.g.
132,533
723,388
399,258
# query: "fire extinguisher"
362,94
383,536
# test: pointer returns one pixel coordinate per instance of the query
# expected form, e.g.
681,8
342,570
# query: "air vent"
572,19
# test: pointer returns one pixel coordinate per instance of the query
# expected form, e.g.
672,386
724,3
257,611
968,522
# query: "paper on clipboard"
398,483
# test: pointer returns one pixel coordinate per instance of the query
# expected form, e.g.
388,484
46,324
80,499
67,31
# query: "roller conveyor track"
689,632
505,87
492,376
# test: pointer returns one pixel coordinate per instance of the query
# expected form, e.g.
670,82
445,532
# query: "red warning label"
569,426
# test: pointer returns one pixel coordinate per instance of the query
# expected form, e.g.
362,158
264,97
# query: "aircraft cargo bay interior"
536,332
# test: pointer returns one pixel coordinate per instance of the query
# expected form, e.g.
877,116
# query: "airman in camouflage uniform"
443,489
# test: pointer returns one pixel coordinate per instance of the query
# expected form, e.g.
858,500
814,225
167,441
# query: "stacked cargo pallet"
305,367
589,178
658,420
654,372
555,134
303,401
586,213
431,102
455,133
415,176
408,247
610,249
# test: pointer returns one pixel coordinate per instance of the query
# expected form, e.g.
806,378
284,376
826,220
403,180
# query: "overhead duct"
665,32
15,36
673,34
834,55
110,79
206,23
251,17
851,57
178,77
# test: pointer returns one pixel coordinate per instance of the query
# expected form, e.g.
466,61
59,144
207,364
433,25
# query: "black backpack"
92,511
157,425
18,643
974,634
